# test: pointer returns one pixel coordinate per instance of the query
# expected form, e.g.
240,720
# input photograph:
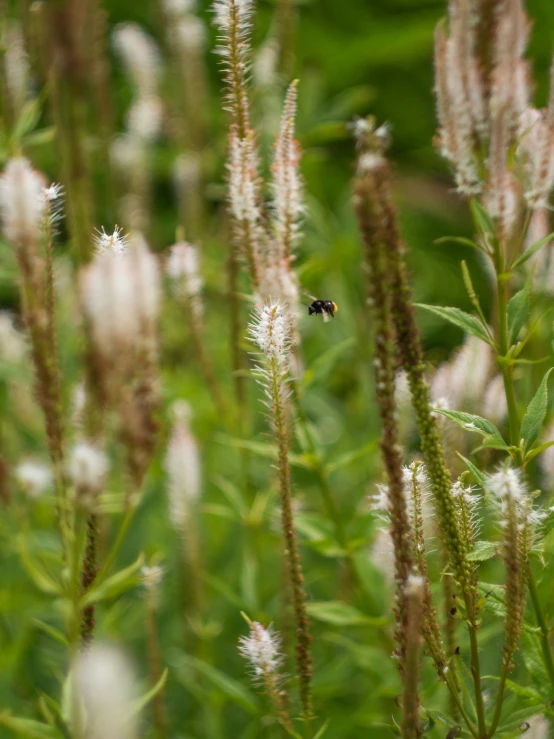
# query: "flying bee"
325,308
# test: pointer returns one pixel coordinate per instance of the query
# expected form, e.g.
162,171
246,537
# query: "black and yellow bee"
325,308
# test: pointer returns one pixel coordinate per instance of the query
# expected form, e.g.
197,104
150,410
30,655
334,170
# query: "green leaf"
532,250
325,362
341,614
323,729
38,575
531,654
458,240
265,450
482,551
471,422
518,310
27,728
28,119
51,631
349,457
477,474
536,412
529,694
468,323
114,585
537,450
233,689
145,699
492,442
481,217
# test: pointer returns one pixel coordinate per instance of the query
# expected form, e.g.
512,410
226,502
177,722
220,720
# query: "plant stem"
476,670
303,636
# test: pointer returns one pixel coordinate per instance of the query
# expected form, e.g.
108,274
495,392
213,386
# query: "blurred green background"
352,58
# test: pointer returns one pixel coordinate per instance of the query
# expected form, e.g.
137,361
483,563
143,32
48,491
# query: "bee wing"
326,317
312,297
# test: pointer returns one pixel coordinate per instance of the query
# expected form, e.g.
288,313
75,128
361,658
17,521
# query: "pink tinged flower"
104,694
22,202
286,183
182,467
261,649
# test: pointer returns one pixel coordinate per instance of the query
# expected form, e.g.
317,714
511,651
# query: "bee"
325,308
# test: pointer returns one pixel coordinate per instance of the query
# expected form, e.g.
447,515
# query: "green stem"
476,670
499,701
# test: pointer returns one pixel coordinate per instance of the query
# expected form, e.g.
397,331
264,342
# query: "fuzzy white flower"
87,467
261,648
227,10
121,297
179,7
183,265
140,56
16,64
116,242
271,329
507,483
145,117
182,467
414,586
495,407
190,34
22,203
35,477
104,693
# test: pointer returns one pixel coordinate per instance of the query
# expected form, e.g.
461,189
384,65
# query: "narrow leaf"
532,250
341,614
471,422
145,699
536,412
458,240
481,217
477,474
468,323
537,450
114,585
517,311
